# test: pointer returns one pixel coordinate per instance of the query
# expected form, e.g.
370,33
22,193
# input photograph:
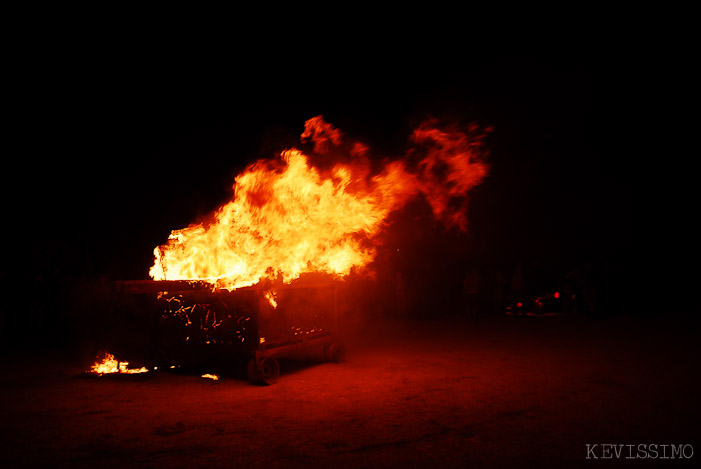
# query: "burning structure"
237,278
193,320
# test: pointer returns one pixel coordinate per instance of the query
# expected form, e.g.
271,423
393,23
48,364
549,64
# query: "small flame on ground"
111,365
210,376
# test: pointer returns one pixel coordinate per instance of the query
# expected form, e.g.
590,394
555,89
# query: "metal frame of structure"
190,317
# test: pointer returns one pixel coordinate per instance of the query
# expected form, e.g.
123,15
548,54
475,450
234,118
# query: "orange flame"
111,365
288,217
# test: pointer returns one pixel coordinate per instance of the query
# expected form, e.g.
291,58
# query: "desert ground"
448,392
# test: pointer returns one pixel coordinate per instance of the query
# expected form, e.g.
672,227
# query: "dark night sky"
123,146
134,148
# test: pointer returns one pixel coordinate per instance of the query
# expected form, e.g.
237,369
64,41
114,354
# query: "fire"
271,297
288,217
111,365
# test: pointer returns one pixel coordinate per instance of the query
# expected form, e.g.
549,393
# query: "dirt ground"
501,392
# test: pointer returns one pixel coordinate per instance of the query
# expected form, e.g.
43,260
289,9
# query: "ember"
288,217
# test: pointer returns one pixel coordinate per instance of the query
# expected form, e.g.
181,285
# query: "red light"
519,304
557,294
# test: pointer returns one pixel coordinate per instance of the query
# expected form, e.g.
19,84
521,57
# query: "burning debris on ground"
109,364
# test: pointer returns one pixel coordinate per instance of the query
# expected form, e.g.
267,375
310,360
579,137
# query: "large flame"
288,217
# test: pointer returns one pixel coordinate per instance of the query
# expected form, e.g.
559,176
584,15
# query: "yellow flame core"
285,219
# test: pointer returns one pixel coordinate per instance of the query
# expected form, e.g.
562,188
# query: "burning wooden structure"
192,319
